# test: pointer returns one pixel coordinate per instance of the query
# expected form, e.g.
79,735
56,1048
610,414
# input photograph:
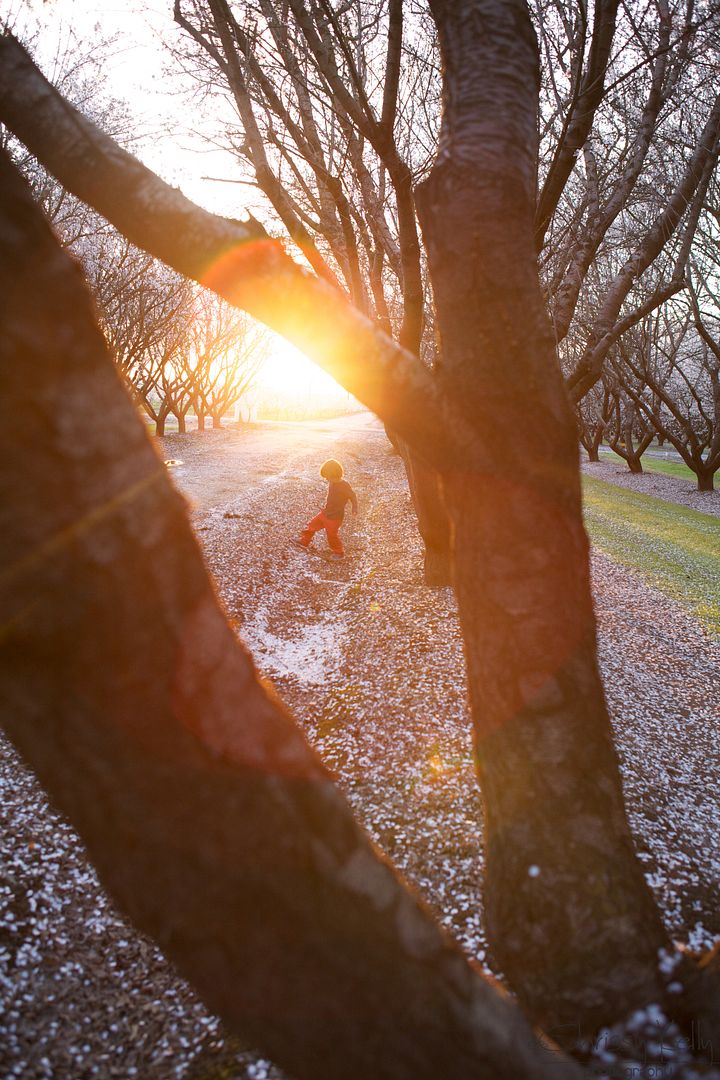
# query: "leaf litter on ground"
371,663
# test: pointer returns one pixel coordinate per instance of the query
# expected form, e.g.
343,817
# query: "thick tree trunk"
200,420
160,424
706,480
217,421
211,822
593,452
181,424
569,915
634,463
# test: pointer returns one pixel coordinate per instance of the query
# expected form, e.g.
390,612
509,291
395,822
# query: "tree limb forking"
267,180
600,221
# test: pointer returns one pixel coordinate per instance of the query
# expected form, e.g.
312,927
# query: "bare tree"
143,308
629,432
675,387
145,312
593,413
326,107
225,354
629,131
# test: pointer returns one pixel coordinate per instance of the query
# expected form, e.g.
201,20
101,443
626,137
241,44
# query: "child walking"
330,519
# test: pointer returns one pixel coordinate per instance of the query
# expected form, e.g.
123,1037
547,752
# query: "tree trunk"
216,421
431,514
706,479
592,441
200,420
181,423
160,424
632,453
211,822
432,518
569,915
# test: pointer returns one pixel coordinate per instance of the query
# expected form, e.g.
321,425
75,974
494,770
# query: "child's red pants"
330,525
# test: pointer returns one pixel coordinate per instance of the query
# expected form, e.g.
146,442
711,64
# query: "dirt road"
216,466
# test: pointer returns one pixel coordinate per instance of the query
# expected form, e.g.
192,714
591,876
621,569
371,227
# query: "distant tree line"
181,350
662,384
661,377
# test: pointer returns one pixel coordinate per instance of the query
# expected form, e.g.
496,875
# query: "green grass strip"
674,548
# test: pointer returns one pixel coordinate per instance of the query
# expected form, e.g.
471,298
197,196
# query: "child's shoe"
299,544
336,558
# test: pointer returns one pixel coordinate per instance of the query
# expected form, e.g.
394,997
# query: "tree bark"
569,915
160,424
211,822
433,521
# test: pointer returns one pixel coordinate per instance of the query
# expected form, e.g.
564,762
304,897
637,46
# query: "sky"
138,72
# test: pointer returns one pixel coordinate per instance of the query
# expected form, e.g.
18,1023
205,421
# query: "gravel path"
371,663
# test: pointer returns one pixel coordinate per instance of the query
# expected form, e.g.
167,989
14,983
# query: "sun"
289,373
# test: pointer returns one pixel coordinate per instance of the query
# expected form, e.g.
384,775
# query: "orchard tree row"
339,109
661,383
180,349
